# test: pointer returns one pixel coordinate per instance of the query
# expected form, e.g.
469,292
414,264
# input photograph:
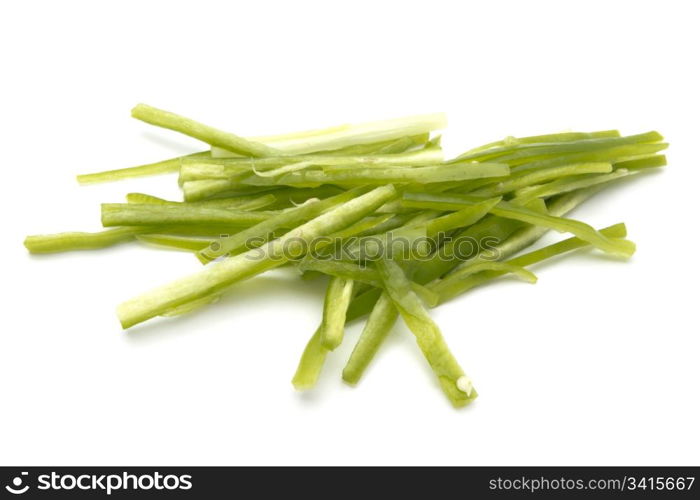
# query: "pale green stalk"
348,135
210,135
151,214
338,296
512,142
174,242
454,383
311,362
528,178
157,168
380,322
374,176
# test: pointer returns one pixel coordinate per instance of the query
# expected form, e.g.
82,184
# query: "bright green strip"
613,155
509,236
210,135
346,136
622,248
145,198
566,185
384,147
191,306
528,152
393,146
464,280
465,244
511,142
201,190
642,163
454,383
150,214
366,225
174,242
219,276
311,363
461,218
64,242
342,269
254,202
259,233
376,329
160,167
503,267
372,176
529,178
338,296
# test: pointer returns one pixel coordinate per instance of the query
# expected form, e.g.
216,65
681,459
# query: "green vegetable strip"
201,190
537,176
368,275
145,198
455,284
511,141
341,269
376,329
521,154
191,306
174,242
613,154
338,296
642,163
260,232
160,167
366,225
241,203
502,267
622,248
371,176
64,242
311,362
349,135
207,169
454,383
513,234
461,218
215,278
150,214
566,185
391,147
210,135
383,147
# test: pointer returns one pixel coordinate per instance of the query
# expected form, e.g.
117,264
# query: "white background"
596,364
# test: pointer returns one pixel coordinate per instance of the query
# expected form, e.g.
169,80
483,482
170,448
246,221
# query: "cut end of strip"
465,385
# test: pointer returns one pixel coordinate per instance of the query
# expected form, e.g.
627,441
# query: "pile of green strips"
376,208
